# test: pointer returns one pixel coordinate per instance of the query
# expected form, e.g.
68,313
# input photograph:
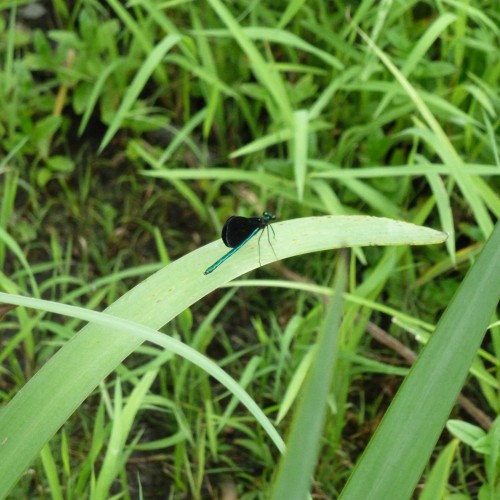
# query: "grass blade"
297,466
398,452
33,416
142,76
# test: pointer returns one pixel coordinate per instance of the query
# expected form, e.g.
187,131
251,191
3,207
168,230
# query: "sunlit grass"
130,132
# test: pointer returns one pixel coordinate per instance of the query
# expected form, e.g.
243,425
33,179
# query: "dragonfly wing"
237,229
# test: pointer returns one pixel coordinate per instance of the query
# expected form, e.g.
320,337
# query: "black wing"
237,229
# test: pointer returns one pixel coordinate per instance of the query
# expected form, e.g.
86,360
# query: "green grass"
130,132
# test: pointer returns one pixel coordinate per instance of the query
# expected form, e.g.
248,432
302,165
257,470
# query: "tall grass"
130,132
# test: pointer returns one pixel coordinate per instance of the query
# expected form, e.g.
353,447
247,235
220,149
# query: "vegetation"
130,132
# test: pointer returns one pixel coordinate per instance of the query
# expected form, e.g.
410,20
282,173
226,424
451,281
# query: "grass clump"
129,133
